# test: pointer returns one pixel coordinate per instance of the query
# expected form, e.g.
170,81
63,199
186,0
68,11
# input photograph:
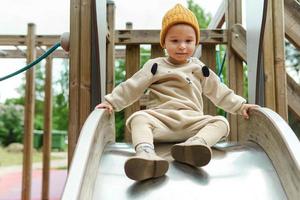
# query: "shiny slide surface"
263,165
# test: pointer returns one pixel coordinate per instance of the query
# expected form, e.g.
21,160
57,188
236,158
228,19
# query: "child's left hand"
246,108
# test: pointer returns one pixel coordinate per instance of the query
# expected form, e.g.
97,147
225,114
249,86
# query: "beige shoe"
146,164
194,152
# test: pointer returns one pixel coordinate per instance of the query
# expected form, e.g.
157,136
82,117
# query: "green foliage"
11,123
292,57
60,104
60,99
202,17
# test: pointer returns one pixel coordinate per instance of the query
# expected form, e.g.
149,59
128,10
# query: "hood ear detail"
154,68
205,71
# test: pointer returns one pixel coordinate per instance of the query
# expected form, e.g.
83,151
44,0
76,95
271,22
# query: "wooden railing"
34,45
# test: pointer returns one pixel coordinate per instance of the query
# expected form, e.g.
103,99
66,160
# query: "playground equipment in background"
267,129
266,160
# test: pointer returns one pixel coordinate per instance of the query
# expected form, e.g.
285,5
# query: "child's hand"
246,108
106,106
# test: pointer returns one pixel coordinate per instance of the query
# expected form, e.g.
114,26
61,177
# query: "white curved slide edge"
97,131
273,134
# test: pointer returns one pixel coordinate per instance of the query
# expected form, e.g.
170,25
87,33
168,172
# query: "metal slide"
265,164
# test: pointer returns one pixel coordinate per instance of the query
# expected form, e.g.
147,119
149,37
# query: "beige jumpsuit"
175,105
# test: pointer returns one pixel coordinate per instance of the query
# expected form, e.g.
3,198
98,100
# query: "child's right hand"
106,106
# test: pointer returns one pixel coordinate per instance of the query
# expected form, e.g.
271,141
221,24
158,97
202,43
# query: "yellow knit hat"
178,15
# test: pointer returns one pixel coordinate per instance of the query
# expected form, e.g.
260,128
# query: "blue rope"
222,66
39,59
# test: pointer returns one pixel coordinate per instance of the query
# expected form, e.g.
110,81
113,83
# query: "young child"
175,110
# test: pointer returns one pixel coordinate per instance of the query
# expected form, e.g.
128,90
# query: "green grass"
9,158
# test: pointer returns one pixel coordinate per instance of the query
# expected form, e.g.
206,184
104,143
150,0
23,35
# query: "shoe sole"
139,169
195,155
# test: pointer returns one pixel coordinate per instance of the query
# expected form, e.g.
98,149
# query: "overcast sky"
53,17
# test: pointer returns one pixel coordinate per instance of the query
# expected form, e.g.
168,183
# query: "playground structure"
92,42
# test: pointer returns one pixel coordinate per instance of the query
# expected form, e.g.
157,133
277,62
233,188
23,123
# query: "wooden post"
47,129
233,15
80,70
156,51
132,63
279,58
85,63
208,57
110,52
274,57
268,60
29,115
73,127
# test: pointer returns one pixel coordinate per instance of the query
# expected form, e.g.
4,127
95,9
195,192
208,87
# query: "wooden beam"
74,78
47,136
238,41
157,51
85,62
292,21
29,116
20,54
215,36
235,64
46,40
110,51
279,59
268,60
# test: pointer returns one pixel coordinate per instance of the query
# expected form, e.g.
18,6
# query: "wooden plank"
73,129
20,54
16,40
235,64
47,139
292,21
268,60
85,62
238,41
215,36
208,57
110,51
219,18
132,65
95,73
157,51
29,115
279,59
120,53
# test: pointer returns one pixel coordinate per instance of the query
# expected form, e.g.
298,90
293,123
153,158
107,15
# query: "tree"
11,123
202,17
60,98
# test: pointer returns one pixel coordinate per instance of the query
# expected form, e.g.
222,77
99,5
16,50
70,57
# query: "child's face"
180,43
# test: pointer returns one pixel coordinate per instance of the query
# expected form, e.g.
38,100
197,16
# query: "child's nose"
182,45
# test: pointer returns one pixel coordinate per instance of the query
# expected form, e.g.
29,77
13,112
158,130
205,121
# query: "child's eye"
175,41
188,41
